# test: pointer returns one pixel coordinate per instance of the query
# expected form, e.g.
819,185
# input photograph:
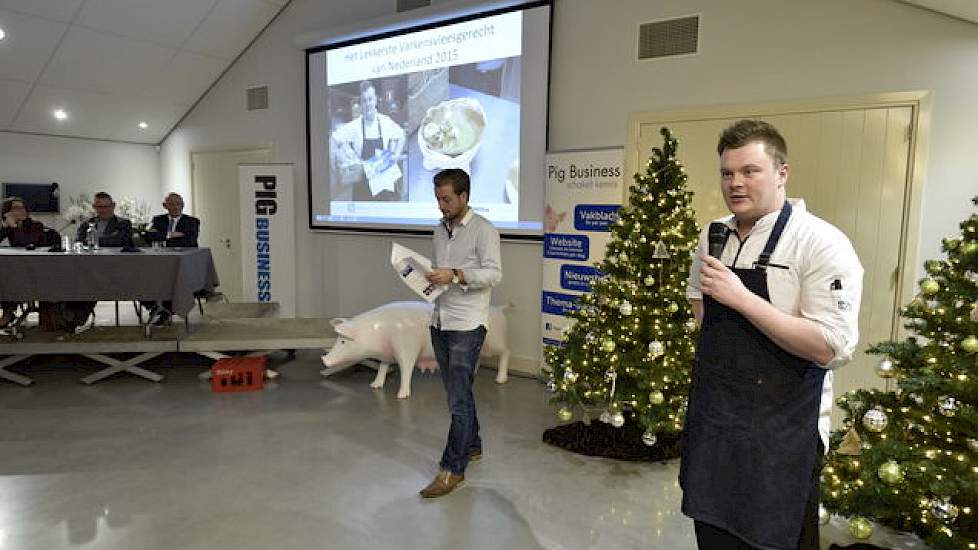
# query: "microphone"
717,238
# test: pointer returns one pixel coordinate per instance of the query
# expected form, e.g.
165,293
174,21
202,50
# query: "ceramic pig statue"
398,333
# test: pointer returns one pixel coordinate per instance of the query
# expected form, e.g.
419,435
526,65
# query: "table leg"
116,366
13,377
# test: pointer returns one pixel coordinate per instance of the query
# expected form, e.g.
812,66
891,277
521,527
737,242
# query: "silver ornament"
625,308
610,375
605,417
947,405
885,369
916,398
943,509
656,348
823,515
551,386
648,438
617,420
590,338
570,376
875,420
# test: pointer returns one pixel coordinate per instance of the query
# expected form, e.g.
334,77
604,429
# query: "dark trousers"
709,537
457,352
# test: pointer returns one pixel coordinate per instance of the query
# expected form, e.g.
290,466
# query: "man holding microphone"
778,308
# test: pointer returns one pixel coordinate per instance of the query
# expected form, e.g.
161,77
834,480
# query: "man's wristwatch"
455,279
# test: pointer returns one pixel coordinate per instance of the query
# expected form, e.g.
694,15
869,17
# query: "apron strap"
380,130
772,241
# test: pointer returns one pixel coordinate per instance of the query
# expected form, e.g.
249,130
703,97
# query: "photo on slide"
390,136
367,140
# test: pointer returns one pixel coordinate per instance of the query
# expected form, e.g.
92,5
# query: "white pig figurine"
398,333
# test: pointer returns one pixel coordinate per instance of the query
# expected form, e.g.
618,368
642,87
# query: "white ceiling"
113,63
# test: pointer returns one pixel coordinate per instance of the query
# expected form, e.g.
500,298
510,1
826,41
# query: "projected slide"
388,114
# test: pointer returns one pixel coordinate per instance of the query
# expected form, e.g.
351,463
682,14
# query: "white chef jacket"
811,256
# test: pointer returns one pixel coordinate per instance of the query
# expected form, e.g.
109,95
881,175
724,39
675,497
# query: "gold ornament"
851,445
860,528
943,509
929,287
656,397
673,307
890,472
617,420
875,420
970,344
564,414
608,345
947,405
656,348
649,280
885,369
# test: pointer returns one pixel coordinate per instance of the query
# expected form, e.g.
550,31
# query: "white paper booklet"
412,268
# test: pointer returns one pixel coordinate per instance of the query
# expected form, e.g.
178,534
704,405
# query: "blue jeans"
457,352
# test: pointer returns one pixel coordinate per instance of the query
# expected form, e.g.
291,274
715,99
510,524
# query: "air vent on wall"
257,98
408,5
671,37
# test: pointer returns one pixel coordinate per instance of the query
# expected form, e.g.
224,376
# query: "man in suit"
174,227
110,230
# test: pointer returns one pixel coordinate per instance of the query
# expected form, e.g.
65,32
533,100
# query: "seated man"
20,230
110,230
174,227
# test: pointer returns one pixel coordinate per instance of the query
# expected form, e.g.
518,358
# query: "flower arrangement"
79,210
135,210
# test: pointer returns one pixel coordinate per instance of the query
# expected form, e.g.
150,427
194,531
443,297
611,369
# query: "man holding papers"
467,262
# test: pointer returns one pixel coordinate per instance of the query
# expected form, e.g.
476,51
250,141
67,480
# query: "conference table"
164,274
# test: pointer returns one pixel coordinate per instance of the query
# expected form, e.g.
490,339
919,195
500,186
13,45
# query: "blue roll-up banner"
584,193
268,235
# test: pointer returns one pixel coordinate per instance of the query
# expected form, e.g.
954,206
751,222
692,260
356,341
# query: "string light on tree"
634,309
915,467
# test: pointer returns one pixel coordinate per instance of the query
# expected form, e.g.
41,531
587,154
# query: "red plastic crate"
236,374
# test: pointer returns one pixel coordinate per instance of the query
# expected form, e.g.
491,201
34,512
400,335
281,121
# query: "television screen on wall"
389,109
37,197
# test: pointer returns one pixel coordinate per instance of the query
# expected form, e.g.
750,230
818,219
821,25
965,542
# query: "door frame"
921,106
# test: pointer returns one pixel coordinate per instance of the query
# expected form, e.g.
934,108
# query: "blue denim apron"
751,439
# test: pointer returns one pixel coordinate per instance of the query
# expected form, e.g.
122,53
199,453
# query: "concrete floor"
308,463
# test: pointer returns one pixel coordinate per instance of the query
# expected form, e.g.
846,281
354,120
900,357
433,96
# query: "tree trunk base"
600,439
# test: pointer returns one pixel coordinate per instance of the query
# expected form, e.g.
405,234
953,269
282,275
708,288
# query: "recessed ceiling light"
142,125
60,114
3,34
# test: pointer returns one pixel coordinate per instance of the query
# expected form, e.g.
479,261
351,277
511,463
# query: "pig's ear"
343,328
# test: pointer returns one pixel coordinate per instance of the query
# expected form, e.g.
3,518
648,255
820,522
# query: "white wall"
81,166
752,51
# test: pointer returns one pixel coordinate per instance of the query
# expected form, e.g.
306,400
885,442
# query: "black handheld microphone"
717,238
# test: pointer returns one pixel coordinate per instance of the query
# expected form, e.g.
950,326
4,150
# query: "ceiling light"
2,34
142,125
60,114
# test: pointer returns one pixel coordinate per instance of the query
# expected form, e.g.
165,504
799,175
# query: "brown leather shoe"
445,482
475,456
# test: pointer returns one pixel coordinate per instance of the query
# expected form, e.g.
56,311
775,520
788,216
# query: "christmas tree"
908,458
630,352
